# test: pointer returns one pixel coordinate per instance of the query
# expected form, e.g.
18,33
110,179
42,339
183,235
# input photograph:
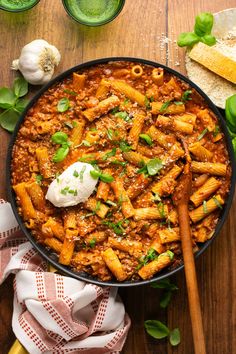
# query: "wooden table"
146,29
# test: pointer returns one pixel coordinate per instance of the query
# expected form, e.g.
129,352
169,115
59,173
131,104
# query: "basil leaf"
154,166
7,98
105,177
156,329
21,104
8,119
20,87
208,39
59,138
147,138
187,39
60,154
63,105
230,112
164,284
175,337
203,24
165,299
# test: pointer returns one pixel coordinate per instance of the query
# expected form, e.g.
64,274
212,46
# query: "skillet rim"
44,252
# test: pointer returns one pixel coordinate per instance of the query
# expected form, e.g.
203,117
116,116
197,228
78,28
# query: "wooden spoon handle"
191,280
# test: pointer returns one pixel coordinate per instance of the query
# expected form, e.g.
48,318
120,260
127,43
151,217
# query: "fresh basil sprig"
12,103
202,32
60,138
168,289
159,330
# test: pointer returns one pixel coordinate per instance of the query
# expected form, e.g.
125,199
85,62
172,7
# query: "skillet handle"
17,348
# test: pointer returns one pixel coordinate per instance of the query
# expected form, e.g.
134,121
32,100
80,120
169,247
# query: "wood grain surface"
140,30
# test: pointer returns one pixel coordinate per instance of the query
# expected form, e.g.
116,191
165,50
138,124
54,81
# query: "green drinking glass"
93,12
17,5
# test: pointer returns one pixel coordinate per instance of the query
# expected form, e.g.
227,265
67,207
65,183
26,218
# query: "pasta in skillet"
124,120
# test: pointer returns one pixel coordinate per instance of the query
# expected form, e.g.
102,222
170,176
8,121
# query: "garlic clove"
37,61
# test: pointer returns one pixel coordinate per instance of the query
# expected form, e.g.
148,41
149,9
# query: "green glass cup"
93,12
17,5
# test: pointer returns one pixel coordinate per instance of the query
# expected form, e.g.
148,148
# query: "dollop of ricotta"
73,186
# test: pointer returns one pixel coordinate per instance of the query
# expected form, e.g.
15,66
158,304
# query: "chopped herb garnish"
70,92
115,110
93,129
104,177
156,197
216,131
98,206
110,133
92,243
165,106
124,116
39,179
74,123
110,202
65,190
117,227
109,154
75,174
89,158
203,133
126,101
68,125
147,103
151,99
81,174
205,210
73,191
178,103
161,209
125,146
217,202
85,143
186,96
117,162
146,138
150,256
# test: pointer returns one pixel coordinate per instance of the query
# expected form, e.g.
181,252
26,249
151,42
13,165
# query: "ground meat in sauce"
110,133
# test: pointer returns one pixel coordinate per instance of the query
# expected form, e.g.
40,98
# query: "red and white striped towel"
53,313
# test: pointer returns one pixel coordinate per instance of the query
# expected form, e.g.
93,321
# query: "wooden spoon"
181,199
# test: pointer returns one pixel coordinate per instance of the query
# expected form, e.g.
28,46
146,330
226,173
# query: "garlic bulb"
37,61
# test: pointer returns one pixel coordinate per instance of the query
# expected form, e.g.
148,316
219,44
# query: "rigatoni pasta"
128,122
